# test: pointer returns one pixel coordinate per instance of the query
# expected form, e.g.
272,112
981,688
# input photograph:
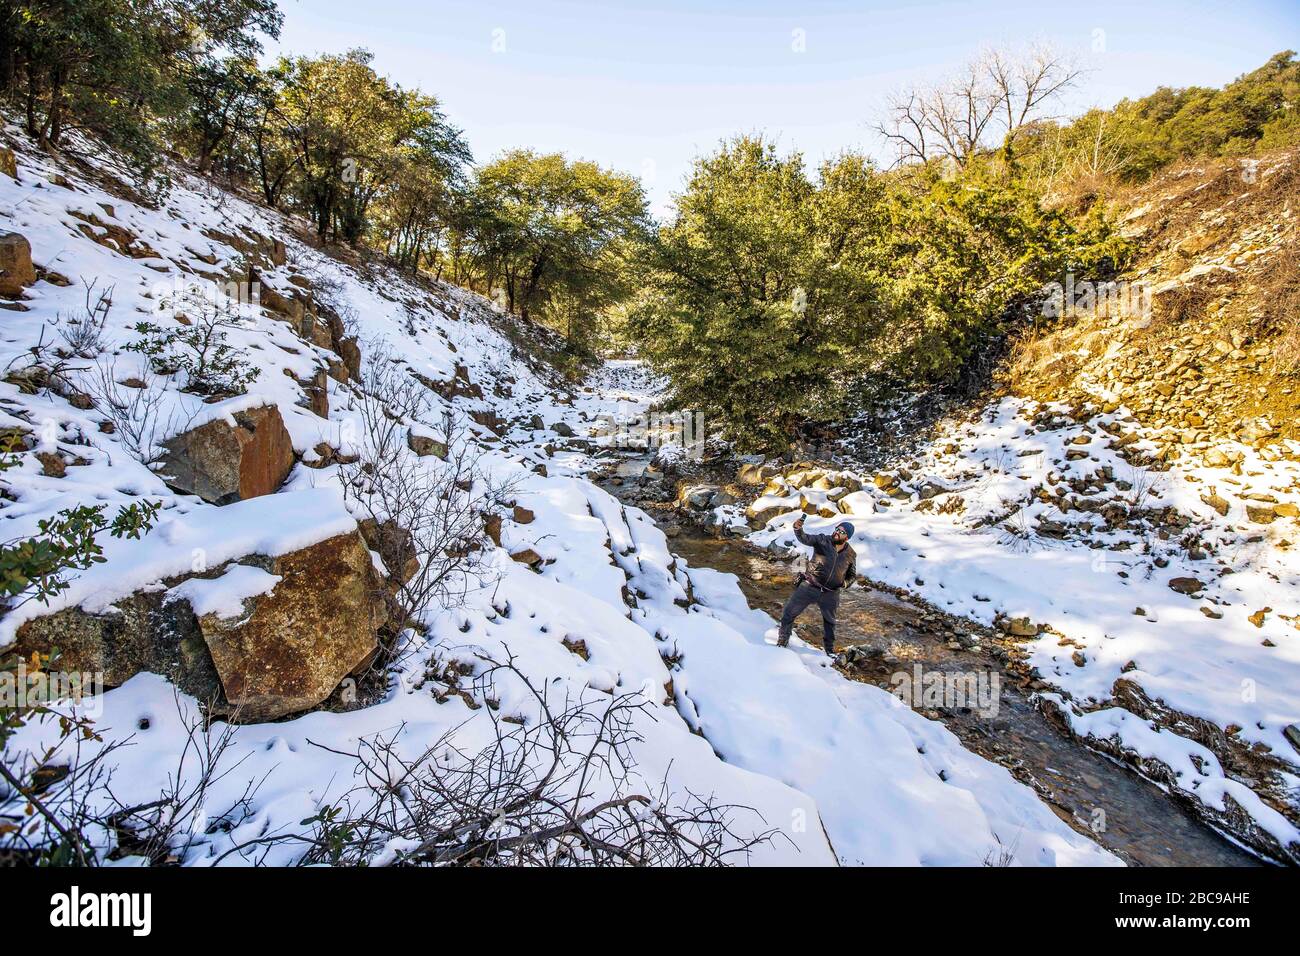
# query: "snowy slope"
1024,512
838,770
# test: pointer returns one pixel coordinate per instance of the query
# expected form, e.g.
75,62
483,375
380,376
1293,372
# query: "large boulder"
290,648
221,462
254,653
16,269
756,473
760,516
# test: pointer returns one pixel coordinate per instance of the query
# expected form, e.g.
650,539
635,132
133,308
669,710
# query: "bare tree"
986,103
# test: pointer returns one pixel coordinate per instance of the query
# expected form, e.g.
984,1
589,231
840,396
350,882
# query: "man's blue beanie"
848,528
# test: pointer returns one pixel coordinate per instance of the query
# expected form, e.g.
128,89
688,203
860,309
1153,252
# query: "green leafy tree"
117,68
554,234
1138,137
37,568
356,139
225,96
761,293
772,297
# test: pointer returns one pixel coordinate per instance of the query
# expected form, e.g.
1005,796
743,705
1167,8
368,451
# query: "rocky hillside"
1201,341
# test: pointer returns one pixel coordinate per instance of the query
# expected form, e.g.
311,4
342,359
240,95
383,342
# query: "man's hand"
798,523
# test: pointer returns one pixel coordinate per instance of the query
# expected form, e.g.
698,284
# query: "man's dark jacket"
832,568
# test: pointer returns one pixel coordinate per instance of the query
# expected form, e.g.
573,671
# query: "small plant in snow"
37,568
83,332
142,417
211,365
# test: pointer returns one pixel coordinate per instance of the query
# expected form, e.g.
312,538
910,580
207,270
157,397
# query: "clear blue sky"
645,86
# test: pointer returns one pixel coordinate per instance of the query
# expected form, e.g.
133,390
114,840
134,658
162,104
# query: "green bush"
200,351
772,295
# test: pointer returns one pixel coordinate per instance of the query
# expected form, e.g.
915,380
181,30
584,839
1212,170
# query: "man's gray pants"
805,595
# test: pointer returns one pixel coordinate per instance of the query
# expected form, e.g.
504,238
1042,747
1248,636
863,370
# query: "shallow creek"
1094,794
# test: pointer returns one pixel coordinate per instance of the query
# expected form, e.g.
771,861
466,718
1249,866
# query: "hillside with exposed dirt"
1200,340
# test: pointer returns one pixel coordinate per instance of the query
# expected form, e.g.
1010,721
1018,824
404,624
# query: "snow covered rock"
395,547
265,637
287,649
16,269
350,352
424,446
141,632
755,473
231,458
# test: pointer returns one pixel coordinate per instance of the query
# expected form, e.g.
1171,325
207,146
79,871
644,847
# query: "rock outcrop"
283,652
222,463
16,269
141,632
1199,339
290,648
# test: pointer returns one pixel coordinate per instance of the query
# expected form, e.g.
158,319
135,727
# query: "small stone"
1186,585
425,446
1019,627
1261,514
1292,733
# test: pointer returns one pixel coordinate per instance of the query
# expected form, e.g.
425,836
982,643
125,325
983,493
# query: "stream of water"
1130,816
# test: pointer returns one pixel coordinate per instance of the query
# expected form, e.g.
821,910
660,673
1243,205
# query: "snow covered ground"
1025,513
841,771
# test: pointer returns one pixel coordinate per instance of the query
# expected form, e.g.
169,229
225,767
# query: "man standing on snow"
835,567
